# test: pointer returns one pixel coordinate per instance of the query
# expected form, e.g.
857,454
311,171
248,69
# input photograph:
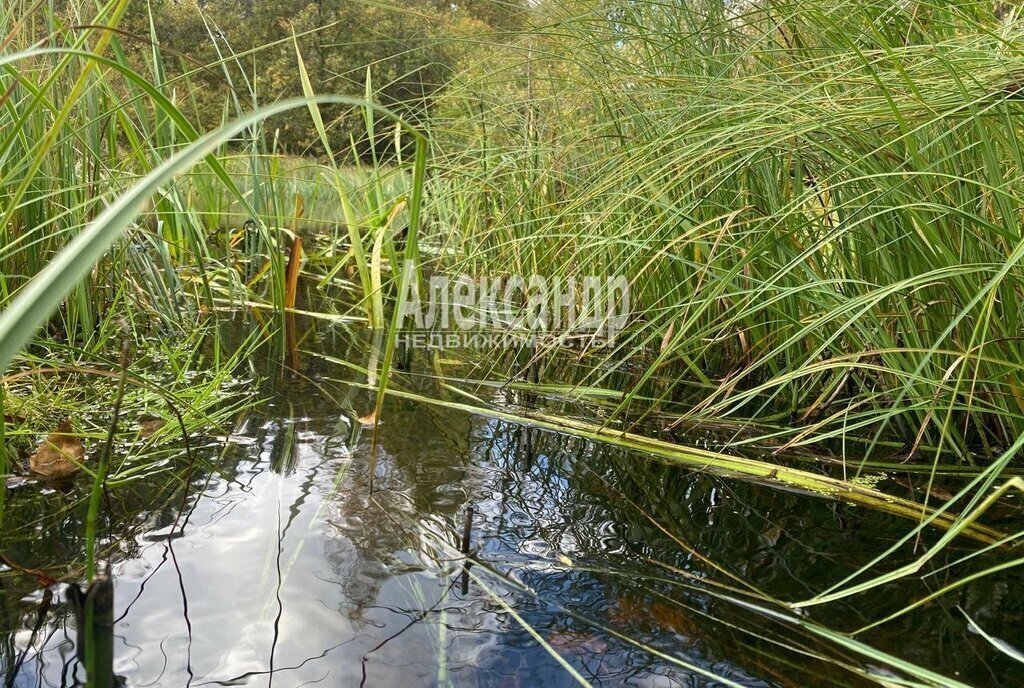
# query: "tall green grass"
817,205
90,122
818,208
123,228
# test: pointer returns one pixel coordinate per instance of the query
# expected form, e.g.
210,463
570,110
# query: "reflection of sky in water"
301,576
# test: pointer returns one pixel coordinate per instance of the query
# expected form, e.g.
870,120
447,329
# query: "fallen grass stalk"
771,474
922,676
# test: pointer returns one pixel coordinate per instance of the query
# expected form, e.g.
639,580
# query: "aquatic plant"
816,204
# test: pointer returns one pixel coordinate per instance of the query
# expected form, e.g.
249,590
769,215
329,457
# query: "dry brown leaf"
148,428
637,611
59,455
667,339
577,643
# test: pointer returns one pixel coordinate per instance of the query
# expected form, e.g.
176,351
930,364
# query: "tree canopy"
244,52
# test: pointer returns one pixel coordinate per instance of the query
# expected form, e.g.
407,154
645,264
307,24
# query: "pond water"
303,560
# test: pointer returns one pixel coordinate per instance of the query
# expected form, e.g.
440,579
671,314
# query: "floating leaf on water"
148,428
578,643
59,455
771,536
635,611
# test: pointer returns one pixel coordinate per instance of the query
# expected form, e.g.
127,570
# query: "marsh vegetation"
798,464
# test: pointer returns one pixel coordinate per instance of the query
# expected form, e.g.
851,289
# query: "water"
303,561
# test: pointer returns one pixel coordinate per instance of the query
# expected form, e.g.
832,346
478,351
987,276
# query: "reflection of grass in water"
817,204
728,464
145,450
737,588
68,202
170,400
787,632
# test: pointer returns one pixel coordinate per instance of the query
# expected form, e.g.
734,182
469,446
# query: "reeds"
817,206
123,228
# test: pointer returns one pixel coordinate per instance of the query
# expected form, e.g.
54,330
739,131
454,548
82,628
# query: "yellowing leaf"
59,455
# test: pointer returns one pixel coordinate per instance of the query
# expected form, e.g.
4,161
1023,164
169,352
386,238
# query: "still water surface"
300,561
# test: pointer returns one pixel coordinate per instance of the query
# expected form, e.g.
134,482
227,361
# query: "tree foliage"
243,52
